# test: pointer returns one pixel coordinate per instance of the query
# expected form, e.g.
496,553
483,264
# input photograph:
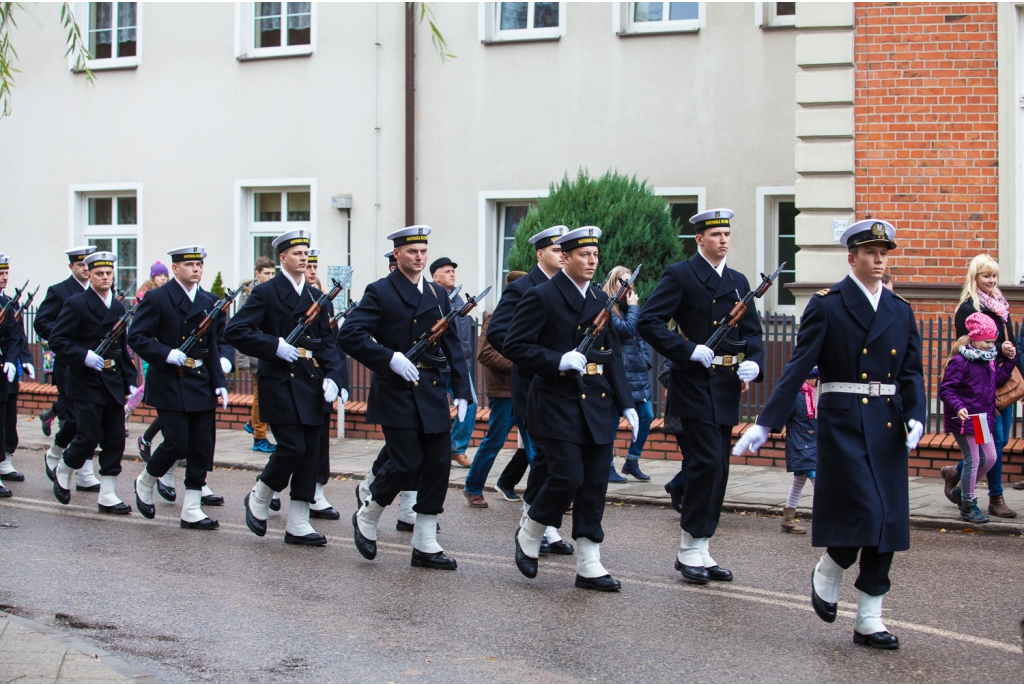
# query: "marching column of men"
18,361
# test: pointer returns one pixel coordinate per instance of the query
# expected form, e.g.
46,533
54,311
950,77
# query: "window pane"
102,244
126,15
683,10
268,9
681,213
785,9
787,249
268,207
545,15
511,218
513,15
647,11
126,212
100,211
268,25
298,23
298,206
101,15
263,246
100,35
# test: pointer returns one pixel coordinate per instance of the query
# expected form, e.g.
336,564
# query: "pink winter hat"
981,327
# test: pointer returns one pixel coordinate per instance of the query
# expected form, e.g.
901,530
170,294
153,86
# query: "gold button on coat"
864,401
888,425
892,352
602,395
863,375
583,397
864,351
416,383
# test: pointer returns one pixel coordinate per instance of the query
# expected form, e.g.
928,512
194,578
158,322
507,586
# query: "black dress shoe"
169,494
147,510
311,540
545,547
87,488
366,546
677,499
206,524
698,575
121,509
718,573
62,494
561,547
13,476
603,584
254,524
826,611
330,513
436,560
275,504
4,492
882,640
527,565
212,501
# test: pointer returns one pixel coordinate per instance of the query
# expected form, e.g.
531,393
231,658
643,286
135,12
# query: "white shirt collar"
295,284
84,285
191,293
546,273
419,286
873,299
720,269
108,299
583,290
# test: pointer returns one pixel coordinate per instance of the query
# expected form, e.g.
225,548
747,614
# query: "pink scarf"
997,305
808,393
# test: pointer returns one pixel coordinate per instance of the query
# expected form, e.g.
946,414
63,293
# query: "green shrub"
635,223
218,286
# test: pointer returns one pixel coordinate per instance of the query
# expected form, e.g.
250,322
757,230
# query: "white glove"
748,371
132,390
572,361
225,366
752,439
344,396
10,370
703,354
286,351
93,360
914,434
633,420
176,358
460,409
223,394
404,368
30,370
330,390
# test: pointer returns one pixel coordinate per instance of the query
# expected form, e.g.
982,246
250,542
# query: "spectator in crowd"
981,294
158,276
968,393
443,273
264,271
887,282
801,450
638,365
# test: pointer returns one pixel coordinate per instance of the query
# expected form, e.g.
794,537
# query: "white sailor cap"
711,218
98,259
409,234
869,231
314,256
5,262
284,241
548,235
580,237
390,256
189,253
77,254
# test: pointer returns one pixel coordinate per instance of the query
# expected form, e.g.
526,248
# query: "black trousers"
414,458
538,473
323,471
296,459
9,439
382,457
514,470
188,436
99,425
705,446
67,419
874,567
3,424
577,475
152,429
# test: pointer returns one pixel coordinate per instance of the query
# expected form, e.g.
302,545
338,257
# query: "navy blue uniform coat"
10,349
290,393
549,322
391,315
861,497
81,326
164,319
46,317
16,350
698,299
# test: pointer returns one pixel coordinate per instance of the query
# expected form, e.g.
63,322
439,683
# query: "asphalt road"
228,606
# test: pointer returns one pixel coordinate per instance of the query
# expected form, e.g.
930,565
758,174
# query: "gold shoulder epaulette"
823,291
901,297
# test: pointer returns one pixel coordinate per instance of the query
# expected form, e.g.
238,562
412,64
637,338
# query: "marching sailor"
572,403
10,346
182,386
871,410
46,317
96,384
295,381
705,384
20,358
408,399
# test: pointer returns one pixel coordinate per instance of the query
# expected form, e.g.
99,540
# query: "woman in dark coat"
801,449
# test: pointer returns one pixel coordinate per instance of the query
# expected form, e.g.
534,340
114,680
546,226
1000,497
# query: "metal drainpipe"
410,114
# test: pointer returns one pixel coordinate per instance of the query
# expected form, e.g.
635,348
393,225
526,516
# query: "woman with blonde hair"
981,294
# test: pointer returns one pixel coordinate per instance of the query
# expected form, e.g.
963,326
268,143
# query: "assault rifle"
600,321
313,312
114,333
28,303
739,309
12,303
219,308
430,336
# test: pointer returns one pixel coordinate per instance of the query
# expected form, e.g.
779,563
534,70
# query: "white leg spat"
530,534
298,519
588,559
828,576
869,615
368,517
406,501
108,491
424,534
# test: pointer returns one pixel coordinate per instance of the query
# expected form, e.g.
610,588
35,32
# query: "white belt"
591,370
870,389
304,353
193,363
727,360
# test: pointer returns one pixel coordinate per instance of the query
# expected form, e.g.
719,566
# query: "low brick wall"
934,452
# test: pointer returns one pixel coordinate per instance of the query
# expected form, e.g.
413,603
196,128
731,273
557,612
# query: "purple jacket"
972,384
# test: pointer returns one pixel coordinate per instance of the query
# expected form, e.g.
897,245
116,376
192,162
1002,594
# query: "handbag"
1010,391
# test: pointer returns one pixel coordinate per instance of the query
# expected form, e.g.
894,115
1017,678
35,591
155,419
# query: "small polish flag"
982,435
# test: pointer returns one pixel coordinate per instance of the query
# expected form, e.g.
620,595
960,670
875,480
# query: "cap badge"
718,215
877,230
591,232
421,230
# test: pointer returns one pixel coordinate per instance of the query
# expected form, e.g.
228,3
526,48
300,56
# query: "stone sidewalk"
761,489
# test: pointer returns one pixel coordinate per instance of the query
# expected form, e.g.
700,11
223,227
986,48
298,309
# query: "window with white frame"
113,33
682,209
275,29
111,224
510,215
631,18
780,244
513,21
775,14
275,211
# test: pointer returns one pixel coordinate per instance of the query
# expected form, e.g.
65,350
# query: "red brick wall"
926,132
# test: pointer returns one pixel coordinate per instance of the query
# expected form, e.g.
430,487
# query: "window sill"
113,63
274,53
776,27
658,32
546,36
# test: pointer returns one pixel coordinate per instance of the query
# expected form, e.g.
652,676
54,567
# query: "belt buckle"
727,360
875,389
591,369
190,362
108,363
301,351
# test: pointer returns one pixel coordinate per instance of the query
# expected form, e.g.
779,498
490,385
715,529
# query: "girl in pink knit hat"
968,393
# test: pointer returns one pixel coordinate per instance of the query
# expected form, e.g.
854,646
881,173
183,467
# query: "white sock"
86,475
705,556
551,535
588,559
424,534
168,479
63,474
794,491
690,551
298,518
192,507
828,576
259,500
319,501
108,491
530,535
869,614
406,502
144,485
367,518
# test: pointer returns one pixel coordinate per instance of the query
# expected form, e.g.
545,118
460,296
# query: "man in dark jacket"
10,344
870,413
20,359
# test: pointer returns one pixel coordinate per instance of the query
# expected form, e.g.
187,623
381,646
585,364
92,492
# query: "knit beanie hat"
981,327
158,269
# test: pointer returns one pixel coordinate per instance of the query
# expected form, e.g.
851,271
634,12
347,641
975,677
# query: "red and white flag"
982,435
